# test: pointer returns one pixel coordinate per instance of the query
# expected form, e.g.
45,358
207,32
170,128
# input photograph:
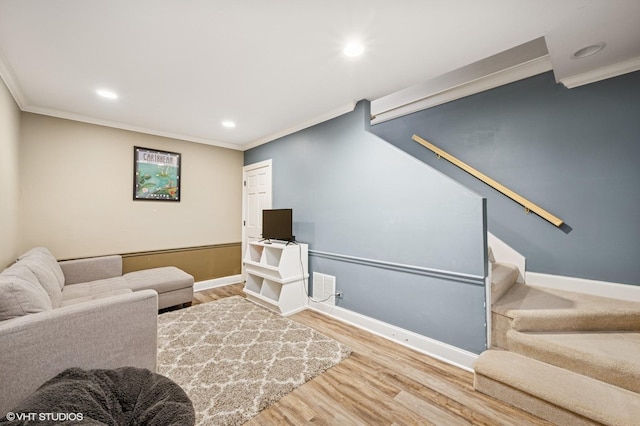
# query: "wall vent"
324,288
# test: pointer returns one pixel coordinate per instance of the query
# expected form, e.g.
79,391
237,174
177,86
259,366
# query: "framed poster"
156,175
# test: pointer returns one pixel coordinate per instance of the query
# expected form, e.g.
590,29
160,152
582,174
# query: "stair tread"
610,357
572,391
534,308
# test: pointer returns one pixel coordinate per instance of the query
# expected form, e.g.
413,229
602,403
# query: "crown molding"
343,109
124,126
8,76
603,73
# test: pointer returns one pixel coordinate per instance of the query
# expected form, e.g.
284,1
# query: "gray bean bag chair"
124,396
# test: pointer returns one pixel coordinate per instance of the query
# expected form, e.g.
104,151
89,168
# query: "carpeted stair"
553,393
503,276
567,357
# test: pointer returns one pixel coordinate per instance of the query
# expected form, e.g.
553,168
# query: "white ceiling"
181,67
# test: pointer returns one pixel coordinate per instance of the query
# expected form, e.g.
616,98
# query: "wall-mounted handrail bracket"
528,205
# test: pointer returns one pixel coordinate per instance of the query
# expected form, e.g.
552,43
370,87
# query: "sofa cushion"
93,290
46,277
84,299
43,255
162,280
91,269
21,293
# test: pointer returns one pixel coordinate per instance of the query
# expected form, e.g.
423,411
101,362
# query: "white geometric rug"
234,358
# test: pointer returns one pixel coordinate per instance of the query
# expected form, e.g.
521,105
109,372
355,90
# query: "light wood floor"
381,383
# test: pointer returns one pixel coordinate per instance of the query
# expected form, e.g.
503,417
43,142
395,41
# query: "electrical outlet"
339,295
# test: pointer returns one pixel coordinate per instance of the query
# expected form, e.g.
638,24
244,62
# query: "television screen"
277,224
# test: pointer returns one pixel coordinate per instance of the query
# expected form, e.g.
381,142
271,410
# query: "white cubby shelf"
277,275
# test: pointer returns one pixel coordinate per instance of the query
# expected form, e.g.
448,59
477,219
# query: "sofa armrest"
108,333
91,269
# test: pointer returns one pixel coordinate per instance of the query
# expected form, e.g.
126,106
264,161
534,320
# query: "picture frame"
156,175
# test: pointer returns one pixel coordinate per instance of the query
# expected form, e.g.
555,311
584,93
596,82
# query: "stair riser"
553,393
571,322
604,323
538,309
503,277
578,362
529,403
499,327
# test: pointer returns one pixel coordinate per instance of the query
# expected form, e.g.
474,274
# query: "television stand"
277,273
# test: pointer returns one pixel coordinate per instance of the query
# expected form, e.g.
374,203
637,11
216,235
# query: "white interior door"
256,196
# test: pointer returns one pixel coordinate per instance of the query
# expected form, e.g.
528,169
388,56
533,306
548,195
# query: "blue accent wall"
405,242
574,152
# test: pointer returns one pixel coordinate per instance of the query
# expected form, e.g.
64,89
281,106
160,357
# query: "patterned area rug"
234,358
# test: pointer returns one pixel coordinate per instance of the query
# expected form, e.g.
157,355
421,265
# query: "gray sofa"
81,313
86,279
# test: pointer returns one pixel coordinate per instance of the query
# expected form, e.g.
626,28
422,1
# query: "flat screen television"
277,224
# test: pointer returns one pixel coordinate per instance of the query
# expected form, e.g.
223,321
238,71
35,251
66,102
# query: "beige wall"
9,177
76,182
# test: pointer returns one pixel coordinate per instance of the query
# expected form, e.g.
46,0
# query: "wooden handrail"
528,205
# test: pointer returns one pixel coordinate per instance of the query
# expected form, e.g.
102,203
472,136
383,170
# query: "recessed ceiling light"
353,48
229,124
107,94
588,50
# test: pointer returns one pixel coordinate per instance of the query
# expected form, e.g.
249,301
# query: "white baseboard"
217,282
434,348
581,285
